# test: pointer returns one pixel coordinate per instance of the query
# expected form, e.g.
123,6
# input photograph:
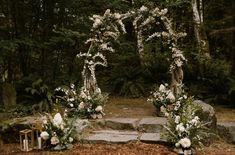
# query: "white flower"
97,23
117,15
163,109
98,90
177,119
166,114
70,139
180,128
195,120
143,8
98,108
185,97
54,140
44,121
57,120
185,142
71,99
71,105
81,105
171,97
162,88
72,86
177,144
44,135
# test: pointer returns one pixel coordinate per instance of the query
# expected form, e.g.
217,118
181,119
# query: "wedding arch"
107,28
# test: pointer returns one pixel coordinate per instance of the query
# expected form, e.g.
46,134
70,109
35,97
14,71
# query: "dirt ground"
135,108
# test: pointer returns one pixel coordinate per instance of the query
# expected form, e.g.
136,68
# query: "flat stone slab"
227,130
152,124
121,123
150,137
110,136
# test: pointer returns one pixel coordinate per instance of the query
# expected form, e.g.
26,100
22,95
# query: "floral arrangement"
184,127
67,95
58,132
92,105
165,101
82,103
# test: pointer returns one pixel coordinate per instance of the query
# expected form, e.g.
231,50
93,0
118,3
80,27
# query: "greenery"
59,132
185,129
40,39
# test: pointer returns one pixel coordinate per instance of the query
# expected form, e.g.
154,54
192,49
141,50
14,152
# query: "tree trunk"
200,34
8,96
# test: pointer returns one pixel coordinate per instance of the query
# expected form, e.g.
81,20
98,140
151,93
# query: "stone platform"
124,130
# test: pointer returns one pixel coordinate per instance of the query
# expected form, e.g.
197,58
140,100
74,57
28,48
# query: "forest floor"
134,108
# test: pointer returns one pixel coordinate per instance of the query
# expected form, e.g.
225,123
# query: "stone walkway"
124,130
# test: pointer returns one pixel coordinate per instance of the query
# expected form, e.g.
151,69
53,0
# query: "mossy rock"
9,129
206,114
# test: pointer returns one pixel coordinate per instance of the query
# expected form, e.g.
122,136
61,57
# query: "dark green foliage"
42,38
37,97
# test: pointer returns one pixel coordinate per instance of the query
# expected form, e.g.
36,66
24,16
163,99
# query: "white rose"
171,97
54,140
72,86
98,108
98,90
162,88
44,121
185,142
180,127
70,139
177,144
143,8
81,106
44,135
177,119
57,120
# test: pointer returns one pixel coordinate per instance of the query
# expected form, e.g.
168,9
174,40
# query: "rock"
80,124
207,114
151,137
226,130
121,123
9,129
112,136
152,124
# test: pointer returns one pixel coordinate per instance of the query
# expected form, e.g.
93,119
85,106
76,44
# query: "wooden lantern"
36,131
26,142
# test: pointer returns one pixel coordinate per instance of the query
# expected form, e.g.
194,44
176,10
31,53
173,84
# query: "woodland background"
39,41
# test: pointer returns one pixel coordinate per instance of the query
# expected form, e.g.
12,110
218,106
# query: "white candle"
39,142
24,145
27,144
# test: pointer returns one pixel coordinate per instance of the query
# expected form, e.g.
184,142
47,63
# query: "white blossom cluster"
184,127
70,96
86,106
58,132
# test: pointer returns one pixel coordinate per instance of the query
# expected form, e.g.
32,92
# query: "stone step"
112,136
121,123
115,136
150,124
227,130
